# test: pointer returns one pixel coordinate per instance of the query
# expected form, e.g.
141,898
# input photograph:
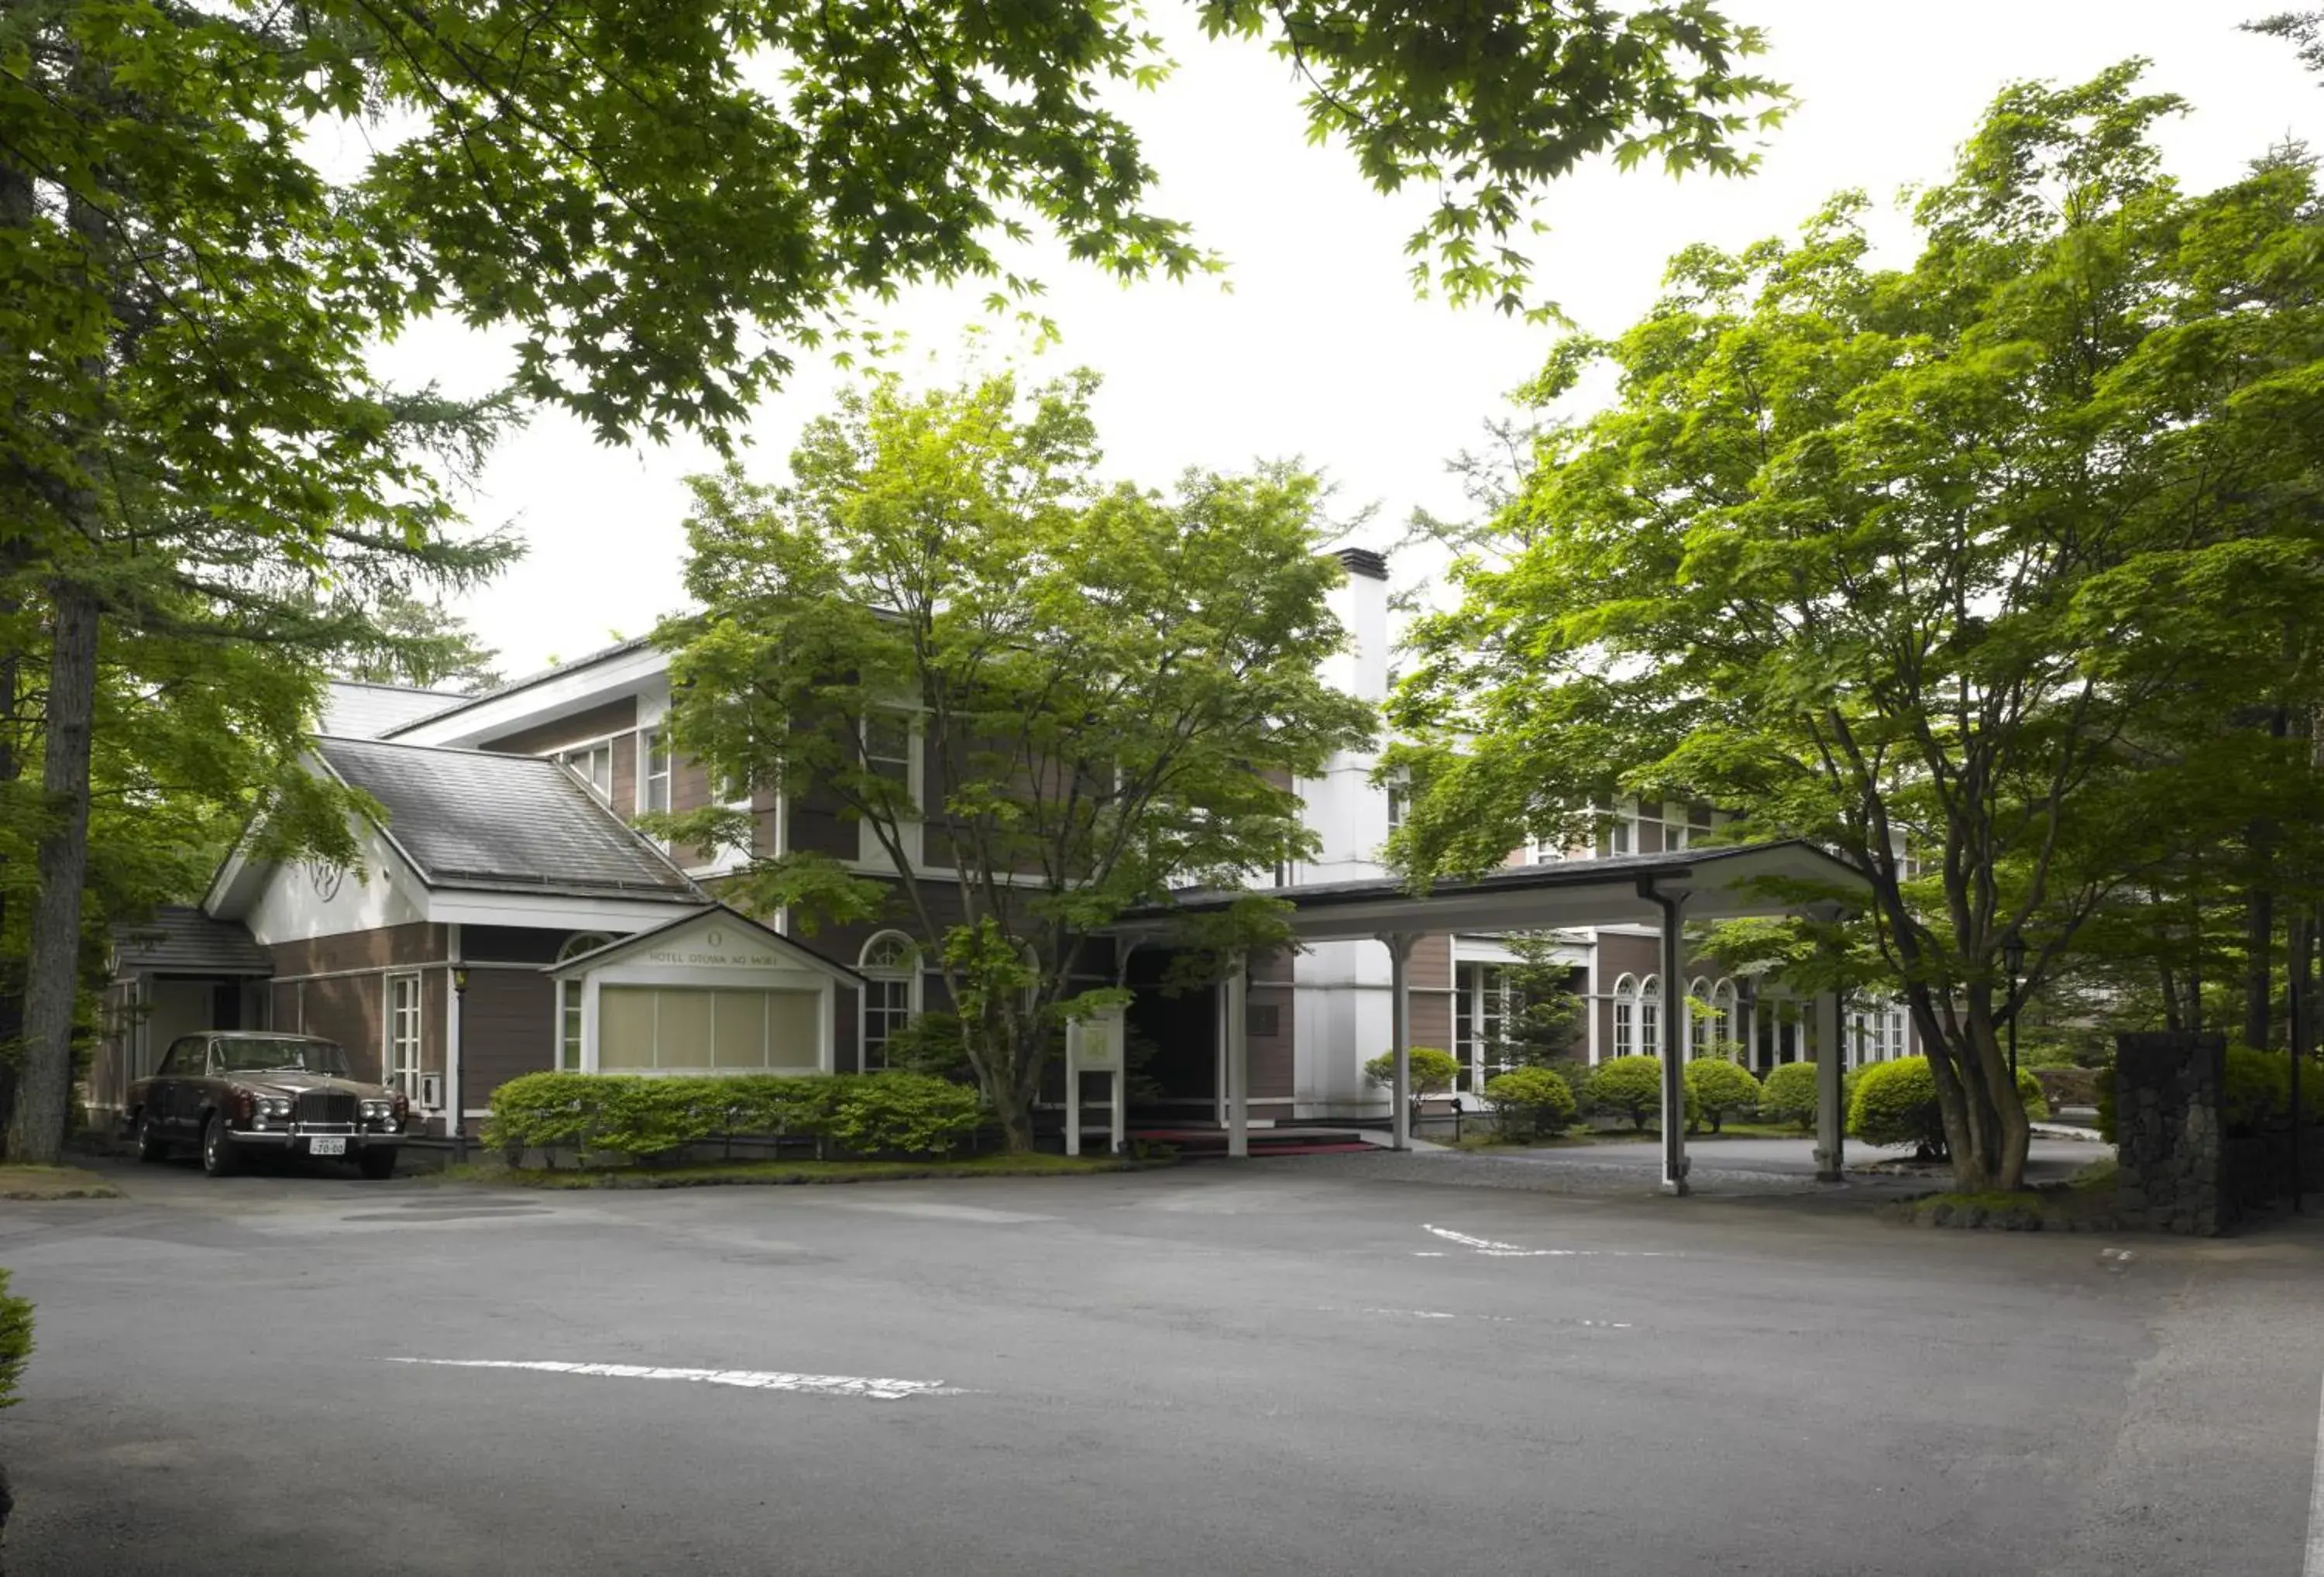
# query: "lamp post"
459,1068
2013,954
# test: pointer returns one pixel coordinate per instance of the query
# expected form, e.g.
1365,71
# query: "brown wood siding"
349,1010
615,717
816,827
512,943
507,1028
1273,1074
389,947
434,1012
626,775
689,789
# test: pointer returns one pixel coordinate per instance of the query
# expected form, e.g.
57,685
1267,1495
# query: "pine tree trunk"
36,1126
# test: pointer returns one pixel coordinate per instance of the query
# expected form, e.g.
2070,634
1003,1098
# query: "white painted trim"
622,676
452,968
2314,1565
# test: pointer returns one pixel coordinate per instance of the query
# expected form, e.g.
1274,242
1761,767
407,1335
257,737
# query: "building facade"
506,917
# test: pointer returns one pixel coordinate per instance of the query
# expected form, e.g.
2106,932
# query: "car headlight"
273,1106
374,1111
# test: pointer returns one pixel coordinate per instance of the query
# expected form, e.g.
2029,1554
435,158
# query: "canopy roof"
1739,882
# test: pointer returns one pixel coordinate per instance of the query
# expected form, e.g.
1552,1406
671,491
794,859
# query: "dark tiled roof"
180,939
353,709
474,819
462,702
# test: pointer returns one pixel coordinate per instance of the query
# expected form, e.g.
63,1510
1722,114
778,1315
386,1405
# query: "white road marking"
1493,1250
756,1379
975,1213
1485,1319
2315,1563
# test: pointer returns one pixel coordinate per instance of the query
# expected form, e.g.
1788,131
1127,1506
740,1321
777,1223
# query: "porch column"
1237,994
1674,1041
1831,1065
1400,1036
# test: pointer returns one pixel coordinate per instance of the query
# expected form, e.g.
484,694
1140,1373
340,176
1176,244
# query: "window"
1698,1024
1621,828
594,765
890,967
1625,1016
703,1030
1480,1008
569,999
1546,850
1650,1017
1395,806
654,789
888,749
403,1035
1723,1016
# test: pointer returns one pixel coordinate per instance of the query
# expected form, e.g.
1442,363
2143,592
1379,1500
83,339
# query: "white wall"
298,901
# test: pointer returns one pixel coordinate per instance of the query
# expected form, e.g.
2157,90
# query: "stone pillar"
2167,1132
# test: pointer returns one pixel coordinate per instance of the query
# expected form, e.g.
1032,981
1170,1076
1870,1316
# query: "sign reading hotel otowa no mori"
710,949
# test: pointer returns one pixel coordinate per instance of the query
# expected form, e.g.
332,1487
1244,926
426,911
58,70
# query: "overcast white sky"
1321,351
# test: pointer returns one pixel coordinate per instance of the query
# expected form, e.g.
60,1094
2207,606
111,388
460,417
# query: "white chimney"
1361,601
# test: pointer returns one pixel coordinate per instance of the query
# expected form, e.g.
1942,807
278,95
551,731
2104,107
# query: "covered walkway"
1664,891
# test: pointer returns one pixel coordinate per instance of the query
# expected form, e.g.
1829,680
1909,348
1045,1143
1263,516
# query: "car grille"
320,1106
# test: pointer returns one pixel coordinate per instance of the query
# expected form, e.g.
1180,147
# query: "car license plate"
326,1146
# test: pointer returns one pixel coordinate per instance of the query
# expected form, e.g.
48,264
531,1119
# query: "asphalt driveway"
1280,1367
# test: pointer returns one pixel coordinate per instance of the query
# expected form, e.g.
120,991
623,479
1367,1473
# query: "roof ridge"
449,749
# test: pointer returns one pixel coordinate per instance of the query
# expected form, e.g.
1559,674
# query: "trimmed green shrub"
2258,1089
1788,1095
1433,1072
1632,1087
1532,1103
646,1117
1895,1103
916,1113
16,1341
931,1043
1715,1087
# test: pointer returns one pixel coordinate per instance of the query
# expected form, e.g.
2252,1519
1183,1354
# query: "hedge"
1788,1095
1632,1087
1433,1072
646,1117
1715,1087
1532,1103
1895,1102
15,1340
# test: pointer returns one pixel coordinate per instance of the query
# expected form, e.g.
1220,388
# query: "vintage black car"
234,1093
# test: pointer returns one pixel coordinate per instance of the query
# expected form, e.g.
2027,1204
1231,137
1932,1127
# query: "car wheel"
150,1146
219,1156
377,1162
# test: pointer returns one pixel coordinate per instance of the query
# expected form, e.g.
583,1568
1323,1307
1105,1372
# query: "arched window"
1625,1016
1722,1015
569,999
891,967
1698,1023
1650,1016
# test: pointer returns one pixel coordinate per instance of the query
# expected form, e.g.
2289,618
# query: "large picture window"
701,1029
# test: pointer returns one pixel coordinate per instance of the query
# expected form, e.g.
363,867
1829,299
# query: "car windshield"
264,1054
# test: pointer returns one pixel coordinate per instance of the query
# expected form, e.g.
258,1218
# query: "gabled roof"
357,709
462,702
180,939
474,819
726,916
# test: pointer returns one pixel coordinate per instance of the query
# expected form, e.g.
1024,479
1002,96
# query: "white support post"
1673,1050
1073,1094
1400,1036
1121,1129
1832,1064
1237,1031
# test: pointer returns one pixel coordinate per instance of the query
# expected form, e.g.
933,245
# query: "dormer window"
594,765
